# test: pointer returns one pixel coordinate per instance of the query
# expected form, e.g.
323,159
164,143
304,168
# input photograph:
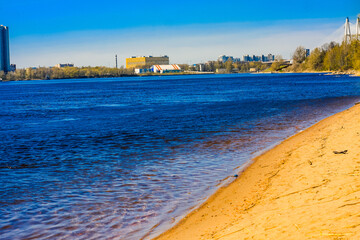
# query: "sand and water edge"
307,187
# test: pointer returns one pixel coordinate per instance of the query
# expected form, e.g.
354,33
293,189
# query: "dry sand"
300,189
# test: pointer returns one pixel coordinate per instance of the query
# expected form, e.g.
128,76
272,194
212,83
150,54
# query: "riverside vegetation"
344,57
42,73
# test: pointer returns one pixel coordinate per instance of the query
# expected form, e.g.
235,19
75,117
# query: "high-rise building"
224,58
247,58
270,57
4,49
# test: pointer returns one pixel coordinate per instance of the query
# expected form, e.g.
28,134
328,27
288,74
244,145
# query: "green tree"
355,54
332,59
218,65
245,67
229,66
277,65
316,60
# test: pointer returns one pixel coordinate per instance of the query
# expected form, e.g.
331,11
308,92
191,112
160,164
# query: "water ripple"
123,159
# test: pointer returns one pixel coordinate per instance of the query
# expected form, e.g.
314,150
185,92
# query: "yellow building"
146,61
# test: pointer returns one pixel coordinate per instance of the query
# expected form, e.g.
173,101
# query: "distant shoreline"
349,72
175,74
123,75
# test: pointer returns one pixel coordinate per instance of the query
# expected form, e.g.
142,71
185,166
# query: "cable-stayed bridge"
351,33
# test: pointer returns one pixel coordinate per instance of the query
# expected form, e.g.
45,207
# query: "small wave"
113,105
64,120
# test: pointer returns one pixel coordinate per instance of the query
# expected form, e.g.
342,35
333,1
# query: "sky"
90,33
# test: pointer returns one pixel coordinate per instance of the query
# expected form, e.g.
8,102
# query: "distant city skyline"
46,33
248,58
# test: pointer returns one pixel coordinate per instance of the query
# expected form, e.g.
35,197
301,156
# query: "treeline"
329,57
228,66
43,73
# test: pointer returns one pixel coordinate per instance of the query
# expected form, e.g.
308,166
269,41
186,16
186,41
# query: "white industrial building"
165,68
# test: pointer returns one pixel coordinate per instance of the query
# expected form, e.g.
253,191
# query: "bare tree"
299,54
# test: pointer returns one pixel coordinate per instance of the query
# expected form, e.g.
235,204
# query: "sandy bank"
300,189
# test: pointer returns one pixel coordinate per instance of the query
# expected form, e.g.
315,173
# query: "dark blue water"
125,158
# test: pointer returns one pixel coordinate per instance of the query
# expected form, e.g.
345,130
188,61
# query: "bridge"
347,35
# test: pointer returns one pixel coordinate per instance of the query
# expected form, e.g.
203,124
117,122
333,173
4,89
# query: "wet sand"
307,187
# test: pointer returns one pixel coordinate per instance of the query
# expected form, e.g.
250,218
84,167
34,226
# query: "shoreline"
354,73
299,189
125,75
349,72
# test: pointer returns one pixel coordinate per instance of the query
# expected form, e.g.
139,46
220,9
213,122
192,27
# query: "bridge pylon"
347,35
358,28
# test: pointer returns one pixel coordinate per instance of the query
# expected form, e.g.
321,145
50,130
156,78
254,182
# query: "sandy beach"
307,187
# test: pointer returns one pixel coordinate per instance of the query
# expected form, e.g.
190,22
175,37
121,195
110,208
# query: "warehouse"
166,68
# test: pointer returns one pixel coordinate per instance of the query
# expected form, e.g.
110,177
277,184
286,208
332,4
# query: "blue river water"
125,158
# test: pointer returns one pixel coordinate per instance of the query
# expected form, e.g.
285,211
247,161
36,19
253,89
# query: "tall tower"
358,28
347,35
116,66
4,49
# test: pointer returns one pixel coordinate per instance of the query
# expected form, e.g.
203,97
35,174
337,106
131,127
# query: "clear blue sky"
36,20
